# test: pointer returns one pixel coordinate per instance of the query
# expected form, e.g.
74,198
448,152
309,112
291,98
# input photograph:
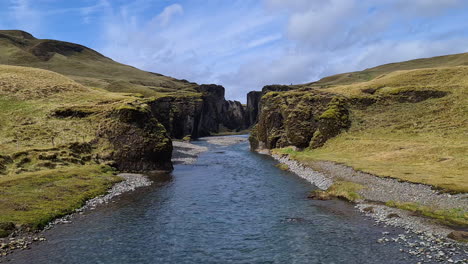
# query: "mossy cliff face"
300,119
133,140
200,114
179,115
234,116
254,100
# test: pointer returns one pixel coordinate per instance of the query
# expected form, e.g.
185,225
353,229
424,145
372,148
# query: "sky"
246,44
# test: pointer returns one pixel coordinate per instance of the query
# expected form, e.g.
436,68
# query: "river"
231,206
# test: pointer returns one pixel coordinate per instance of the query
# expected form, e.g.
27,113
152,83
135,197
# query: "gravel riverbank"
22,240
184,153
423,237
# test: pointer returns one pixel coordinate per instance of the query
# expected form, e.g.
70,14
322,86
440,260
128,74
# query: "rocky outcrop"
132,139
276,88
179,115
253,107
199,115
234,116
253,101
301,119
213,101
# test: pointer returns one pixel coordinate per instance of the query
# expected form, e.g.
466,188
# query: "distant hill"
84,65
371,73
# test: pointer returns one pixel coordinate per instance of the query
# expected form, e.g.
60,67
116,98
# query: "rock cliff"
201,114
299,119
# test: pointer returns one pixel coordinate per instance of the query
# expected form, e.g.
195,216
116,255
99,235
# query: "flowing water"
231,206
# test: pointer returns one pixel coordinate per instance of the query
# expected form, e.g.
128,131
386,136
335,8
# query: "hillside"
371,73
411,125
185,108
72,118
59,139
84,65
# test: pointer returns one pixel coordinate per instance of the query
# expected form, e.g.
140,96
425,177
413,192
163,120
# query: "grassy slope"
41,177
85,66
371,73
425,142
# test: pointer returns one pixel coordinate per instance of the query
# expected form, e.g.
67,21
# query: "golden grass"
375,72
425,142
87,67
34,189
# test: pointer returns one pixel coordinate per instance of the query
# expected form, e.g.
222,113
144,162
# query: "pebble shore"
22,241
184,153
422,238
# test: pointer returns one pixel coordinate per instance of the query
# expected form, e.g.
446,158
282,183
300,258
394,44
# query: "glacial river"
231,206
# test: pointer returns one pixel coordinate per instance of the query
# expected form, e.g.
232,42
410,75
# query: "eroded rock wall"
199,115
301,119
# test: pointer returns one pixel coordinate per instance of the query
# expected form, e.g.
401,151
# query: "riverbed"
230,205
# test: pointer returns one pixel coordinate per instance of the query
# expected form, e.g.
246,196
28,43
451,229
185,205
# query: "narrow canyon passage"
231,206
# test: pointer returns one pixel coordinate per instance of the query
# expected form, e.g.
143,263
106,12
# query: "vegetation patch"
453,217
415,141
31,200
340,189
282,166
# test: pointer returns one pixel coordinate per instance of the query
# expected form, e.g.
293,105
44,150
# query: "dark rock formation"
234,116
331,122
179,115
253,107
300,119
132,139
213,101
276,88
253,101
199,115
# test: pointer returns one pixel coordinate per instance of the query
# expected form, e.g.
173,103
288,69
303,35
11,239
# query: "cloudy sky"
245,44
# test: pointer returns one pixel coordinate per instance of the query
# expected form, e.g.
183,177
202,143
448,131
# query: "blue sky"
245,44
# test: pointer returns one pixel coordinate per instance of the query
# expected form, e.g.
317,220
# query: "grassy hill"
409,120
57,138
371,73
84,65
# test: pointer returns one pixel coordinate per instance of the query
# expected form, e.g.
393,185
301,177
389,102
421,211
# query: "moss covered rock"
133,140
331,122
294,118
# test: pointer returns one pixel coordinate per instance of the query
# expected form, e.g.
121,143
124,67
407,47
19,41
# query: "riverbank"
21,240
183,153
424,237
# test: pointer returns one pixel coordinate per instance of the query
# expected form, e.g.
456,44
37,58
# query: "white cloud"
245,45
168,13
264,40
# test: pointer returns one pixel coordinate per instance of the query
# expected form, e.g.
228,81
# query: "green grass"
456,217
343,190
31,200
86,67
41,175
377,72
282,166
425,142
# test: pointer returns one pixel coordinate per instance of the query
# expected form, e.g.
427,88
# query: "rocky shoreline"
23,240
423,238
183,153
